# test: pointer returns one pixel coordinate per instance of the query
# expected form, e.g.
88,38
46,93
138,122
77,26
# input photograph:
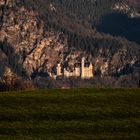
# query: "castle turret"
59,73
82,68
86,72
90,71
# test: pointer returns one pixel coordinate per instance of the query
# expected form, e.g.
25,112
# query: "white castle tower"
90,72
58,69
86,72
83,68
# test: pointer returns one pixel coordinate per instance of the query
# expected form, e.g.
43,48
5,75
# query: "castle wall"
87,73
75,73
83,72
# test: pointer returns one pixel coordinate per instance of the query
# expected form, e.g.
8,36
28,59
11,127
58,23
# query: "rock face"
24,33
129,7
28,49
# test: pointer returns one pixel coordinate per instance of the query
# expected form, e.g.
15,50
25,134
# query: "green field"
72,114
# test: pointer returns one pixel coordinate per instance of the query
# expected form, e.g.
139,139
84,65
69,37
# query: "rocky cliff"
30,49
25,44
129,7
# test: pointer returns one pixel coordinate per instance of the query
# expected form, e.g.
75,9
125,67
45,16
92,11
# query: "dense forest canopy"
82,10
78,16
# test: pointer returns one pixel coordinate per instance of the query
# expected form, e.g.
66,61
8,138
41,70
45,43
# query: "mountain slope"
32,41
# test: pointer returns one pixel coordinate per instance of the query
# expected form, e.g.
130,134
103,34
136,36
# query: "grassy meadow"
70,114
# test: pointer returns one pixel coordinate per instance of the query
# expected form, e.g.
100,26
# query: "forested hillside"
77,14
36,35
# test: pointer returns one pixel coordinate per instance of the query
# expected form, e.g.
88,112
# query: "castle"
85,72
